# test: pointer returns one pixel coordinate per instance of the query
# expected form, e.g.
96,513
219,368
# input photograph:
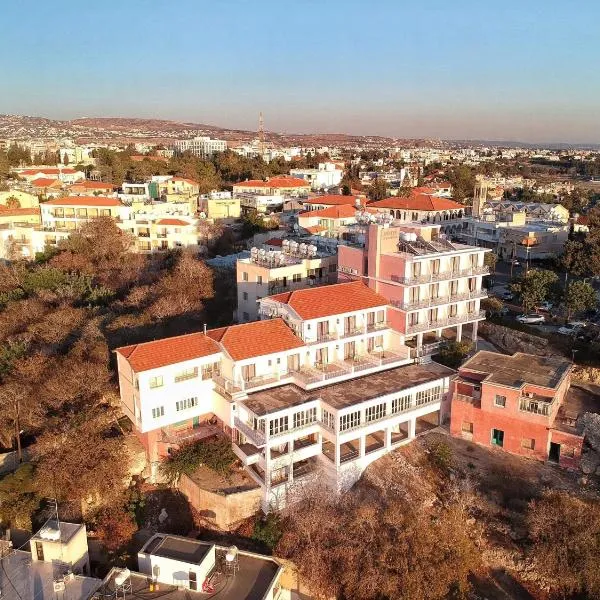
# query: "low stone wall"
511,340
587,374
224,510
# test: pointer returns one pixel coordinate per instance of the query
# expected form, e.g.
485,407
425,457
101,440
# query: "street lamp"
573,352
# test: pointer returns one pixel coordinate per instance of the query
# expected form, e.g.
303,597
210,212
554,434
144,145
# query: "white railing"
441,276
537,407
440,323
257,437
419,304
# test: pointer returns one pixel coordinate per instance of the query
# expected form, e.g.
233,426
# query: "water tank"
231,554
122,577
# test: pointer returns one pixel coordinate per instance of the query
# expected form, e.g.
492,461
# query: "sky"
523,70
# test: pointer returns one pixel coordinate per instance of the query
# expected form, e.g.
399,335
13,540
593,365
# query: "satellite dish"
231,554
122,577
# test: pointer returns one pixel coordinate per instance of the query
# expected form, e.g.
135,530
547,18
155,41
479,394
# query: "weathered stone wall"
222,510
510,340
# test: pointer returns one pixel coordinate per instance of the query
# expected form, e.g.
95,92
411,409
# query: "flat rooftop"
67,531
178,548
24,579
579,400
347,393
519,369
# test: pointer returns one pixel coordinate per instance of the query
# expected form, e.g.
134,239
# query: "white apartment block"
325,176
321,388
265,273
201,146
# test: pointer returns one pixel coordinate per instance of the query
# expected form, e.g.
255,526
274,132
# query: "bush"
453,353
440,455
214,454
267,530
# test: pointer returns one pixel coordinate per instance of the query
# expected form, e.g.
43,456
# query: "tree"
19,498
453,353
13,202
579,296
491,305
565,533
534,287
405,190
114,527
66,159
378,190
462,179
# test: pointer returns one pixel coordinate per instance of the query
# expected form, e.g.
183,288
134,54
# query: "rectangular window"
297,277
349,421
245,316
186,374
467,427
158,412
500,401
328,419
400,404
245,276
278,425
209,370
305,417
105,212
528,443
428,396
374,413
332,268
259,279
187,403
245,295
156,382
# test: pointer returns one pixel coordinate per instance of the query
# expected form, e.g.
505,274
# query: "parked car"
531,319
545,306
508,296
571,328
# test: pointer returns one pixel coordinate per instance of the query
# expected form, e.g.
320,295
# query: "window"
105,212
332,268
245,295
245,276
259,279
245,316
349,421
157,412
400,404
156,382
500,401
305,417
209,370
278,425
528,443
467,427
186,374
428,396
297,277
498,437
328,419
187,403
374,413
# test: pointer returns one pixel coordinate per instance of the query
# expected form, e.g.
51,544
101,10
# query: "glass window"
245,295
305,417
245,276
157,412
259,279
187,403
500,401
209,370
349,421
278,425
428,396
328,419
401,404
467,427
186,374
374,413
156,382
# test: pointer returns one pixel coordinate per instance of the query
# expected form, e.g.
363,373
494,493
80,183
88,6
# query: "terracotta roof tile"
46,182
274,182
423,202
315,229
84,201
328,300
249,340
17,212
168,351
335,200
274,242
178,222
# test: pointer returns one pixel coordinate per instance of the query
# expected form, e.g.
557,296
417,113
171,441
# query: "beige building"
62,542
220,206
266,273
25,199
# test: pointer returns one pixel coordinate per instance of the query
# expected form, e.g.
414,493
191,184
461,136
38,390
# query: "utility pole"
17,408
261,135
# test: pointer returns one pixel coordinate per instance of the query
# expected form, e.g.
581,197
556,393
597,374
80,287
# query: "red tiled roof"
274,242
315,229
93,185
49,171
423,202
169,351
249,340
179,222
46,182
274,182
327,300
342,211
84,201
335,200
17,212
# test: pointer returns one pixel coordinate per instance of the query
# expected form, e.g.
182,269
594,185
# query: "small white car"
545,306
571,328
531,319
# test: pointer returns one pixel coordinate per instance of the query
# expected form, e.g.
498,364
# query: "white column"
412,428
388,438
362,445
474,334
419,340
459,332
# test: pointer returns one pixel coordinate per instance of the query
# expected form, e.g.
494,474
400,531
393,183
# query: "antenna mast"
261,135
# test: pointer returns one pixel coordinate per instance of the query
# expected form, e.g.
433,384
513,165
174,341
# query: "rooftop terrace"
347,393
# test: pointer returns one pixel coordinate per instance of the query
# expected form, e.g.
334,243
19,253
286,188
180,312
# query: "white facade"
201,146
325,176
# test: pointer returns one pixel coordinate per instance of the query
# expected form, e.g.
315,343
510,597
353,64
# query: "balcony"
439,300
441,276
171,435
475,400
256,437
449,321
535,406
352,331
377,326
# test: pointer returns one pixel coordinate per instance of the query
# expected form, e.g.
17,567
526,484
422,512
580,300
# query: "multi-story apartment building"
516,403
433,285
330,200
72,212
274,186
293,267
326,175
65,174
201,146
322,385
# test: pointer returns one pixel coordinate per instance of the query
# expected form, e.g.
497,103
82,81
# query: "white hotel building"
321,388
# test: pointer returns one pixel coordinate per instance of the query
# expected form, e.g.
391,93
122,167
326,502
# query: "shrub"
267,530
453,353
440,455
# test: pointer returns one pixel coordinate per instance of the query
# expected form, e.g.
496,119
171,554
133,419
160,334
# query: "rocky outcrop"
510,340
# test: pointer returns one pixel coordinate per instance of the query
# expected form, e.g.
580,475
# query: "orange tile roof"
17,212
168,351
342,211
328,300
335,200
93,185
249,340
46,182
315,229
274,182
179,222
84,201
49,171
274,242
423,202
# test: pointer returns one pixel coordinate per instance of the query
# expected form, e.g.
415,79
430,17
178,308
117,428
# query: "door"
293,362
248,372
284,281
554,454
39,550
195,421
498,437
193,581
349,350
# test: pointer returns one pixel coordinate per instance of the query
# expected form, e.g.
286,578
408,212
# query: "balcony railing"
377,326
440,323
256,437
441,276
439,300
537,407
468,399
192,434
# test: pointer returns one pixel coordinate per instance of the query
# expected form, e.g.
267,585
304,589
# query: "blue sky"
524,69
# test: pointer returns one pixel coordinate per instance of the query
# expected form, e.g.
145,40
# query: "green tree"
378,190
405,190
17,156
462,179
534,287
453,354
66,159
579,296
19,498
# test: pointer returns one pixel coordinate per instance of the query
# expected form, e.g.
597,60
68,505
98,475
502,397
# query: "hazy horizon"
462,71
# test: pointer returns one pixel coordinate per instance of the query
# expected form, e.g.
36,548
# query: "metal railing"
439,300
467,398
440,323
441,276
537,407
258,438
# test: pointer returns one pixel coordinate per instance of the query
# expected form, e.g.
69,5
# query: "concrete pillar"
362,445
412,428
438,334
474,334
419,340
337,454
388,438
459,332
